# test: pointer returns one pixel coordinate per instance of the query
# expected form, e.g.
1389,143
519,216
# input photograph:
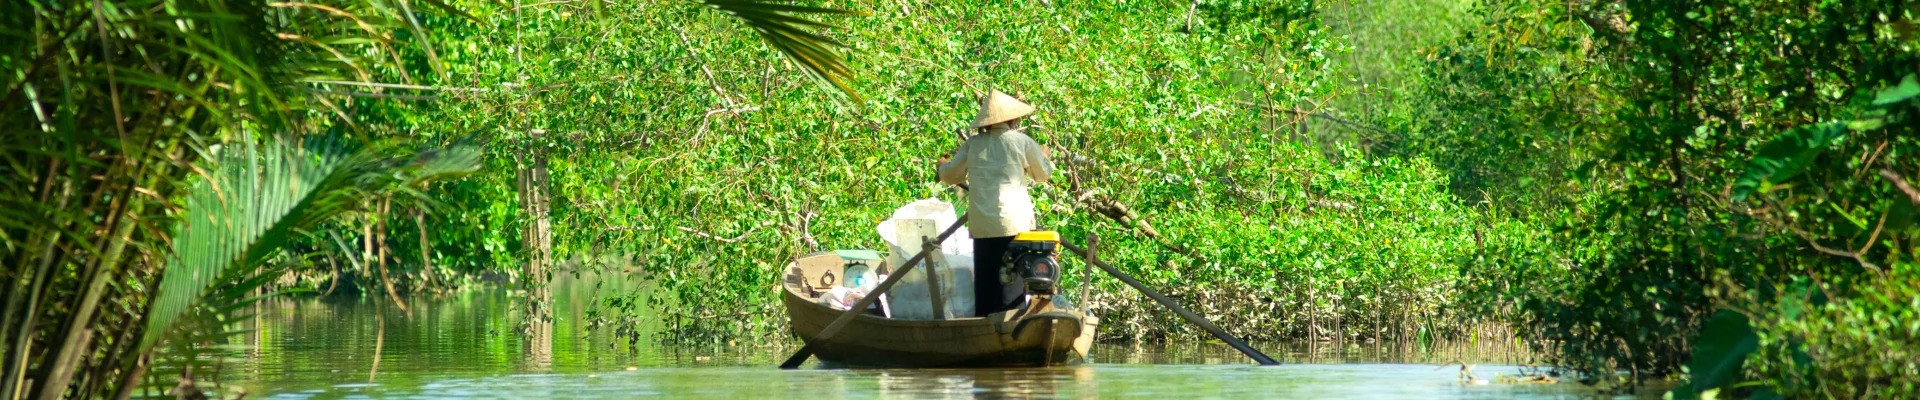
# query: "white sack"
910,226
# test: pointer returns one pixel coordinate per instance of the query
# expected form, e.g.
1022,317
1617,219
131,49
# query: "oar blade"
799,357
1196,319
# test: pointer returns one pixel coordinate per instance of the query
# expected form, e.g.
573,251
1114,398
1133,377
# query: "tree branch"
1877,227
735,239
714,83
1808,237
1901,183
375,95
1322,116
397,86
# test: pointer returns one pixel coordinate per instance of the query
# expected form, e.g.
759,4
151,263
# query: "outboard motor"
1032,263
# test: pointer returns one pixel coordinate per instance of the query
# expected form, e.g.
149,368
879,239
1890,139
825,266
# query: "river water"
463,346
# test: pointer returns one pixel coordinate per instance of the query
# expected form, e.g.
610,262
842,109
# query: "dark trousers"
989,294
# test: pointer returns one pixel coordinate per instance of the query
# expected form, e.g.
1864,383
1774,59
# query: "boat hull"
1030,337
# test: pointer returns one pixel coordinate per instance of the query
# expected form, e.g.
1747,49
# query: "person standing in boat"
998,163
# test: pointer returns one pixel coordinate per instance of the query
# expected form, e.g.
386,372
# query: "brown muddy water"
463,346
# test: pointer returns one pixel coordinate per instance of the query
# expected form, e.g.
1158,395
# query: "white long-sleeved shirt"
998,166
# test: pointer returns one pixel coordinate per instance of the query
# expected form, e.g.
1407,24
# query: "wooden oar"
861,306
1196,319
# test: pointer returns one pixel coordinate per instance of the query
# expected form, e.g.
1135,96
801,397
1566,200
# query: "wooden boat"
1035,336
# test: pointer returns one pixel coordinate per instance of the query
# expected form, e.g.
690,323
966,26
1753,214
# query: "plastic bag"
842,297
910,226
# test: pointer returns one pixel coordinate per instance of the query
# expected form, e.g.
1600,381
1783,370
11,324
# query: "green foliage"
1813,346
1510,108
1860,346
1362,249
1893,96
1785,156
1676,153
1387,43
1720,352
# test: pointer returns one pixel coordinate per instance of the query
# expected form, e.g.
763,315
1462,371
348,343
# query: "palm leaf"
255,202
780,23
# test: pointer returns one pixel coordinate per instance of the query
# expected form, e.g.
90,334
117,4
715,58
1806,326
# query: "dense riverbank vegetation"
1631,188
1190,135
1701,165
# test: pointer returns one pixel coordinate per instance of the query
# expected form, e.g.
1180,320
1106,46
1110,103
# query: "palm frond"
257,200
433,164
117,98
784,27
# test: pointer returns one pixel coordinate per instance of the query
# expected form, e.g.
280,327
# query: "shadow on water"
465,346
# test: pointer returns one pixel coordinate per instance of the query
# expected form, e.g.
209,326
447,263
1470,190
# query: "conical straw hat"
999,107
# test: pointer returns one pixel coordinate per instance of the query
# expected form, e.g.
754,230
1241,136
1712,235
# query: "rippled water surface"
461,346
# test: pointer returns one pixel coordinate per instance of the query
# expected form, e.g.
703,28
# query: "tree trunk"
78,339
380,239
538,241
18,379
334,267
426,258
366,248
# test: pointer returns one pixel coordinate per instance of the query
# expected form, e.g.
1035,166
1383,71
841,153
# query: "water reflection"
1382,381
466,346
1023,383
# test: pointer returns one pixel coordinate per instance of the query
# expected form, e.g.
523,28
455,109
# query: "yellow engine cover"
1038,236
